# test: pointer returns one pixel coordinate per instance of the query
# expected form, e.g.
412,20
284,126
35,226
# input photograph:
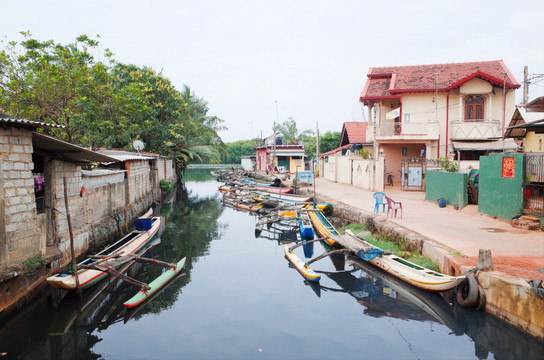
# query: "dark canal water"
239,299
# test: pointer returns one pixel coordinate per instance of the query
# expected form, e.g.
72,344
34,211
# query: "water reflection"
225,297
383,295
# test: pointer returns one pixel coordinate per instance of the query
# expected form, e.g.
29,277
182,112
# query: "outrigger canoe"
416,275
407,271
155,285
132,243
302,268
322,225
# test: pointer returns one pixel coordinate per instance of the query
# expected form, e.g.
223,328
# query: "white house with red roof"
431,111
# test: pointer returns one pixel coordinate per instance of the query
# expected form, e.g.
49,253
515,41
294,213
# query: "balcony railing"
475,129
391,130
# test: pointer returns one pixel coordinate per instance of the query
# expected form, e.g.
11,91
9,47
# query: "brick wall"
20,230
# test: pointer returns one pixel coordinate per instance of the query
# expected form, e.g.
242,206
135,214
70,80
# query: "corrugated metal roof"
62,150
523,121
29,124
495,145
120,155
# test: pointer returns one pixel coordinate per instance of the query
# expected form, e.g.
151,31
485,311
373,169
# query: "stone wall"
19,228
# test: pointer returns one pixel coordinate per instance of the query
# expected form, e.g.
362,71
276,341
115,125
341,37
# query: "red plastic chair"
393,206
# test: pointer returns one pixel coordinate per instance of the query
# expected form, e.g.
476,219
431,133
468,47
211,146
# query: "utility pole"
317,145
525,84
274,129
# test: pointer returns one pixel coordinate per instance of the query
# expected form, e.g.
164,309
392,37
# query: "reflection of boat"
302,268
132,243
155,285
432,303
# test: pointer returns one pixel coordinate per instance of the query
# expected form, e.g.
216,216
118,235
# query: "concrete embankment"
452,239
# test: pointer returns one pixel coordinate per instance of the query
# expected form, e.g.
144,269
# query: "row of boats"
275,205
310,218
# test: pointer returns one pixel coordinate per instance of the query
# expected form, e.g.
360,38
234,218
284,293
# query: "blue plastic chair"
380,200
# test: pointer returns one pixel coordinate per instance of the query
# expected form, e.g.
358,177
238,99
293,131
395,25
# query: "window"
474,108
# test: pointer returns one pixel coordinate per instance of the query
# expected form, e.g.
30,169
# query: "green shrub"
448,164
166,186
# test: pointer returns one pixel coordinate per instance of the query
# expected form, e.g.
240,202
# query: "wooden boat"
132,243
274,190
416,275
305,226
155,285
405,270
304,270
289,198
322,225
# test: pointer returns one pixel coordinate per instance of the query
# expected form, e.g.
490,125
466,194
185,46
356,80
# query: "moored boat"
302,268
322,225
155,285
132,243
416,275
305,226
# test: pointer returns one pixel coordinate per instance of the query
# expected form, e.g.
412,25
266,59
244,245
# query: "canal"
239,299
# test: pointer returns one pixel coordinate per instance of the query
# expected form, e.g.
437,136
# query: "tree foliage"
238,149
289,133
105,103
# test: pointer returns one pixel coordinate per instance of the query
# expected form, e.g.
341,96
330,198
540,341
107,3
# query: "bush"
448,164
166,186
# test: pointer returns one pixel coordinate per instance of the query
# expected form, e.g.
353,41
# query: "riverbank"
453,238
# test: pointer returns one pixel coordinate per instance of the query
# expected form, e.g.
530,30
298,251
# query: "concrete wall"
450,186
353,170
533,142
20,230
498,195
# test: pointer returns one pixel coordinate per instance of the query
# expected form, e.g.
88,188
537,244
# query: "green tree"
236,150
58,84
104,103
289,133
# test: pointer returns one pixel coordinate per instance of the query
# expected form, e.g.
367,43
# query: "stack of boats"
278,207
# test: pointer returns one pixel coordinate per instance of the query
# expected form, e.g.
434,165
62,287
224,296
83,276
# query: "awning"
393,114
62,150
495,145
536,126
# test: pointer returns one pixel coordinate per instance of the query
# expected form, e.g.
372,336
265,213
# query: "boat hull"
305,271
323,227
155,285
88,277
416,275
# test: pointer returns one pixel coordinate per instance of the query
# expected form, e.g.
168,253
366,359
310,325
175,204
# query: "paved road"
465,230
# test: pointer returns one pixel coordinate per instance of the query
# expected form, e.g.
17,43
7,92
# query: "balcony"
404,131
475,129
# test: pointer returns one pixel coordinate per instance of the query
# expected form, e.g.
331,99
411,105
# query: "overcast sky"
258,61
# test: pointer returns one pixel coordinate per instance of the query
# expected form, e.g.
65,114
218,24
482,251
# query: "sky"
259,62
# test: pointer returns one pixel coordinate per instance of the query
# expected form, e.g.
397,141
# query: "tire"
467,292
481,300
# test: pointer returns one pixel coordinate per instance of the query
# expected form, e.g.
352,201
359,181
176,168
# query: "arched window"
474,108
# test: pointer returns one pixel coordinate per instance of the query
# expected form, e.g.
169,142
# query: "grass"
399,249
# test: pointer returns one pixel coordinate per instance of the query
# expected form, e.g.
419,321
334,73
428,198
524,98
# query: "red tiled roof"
387,82
353,132
334,151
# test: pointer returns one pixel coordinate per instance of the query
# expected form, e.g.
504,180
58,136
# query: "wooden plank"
352,242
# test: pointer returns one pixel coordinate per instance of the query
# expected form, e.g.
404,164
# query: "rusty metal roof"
49,146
